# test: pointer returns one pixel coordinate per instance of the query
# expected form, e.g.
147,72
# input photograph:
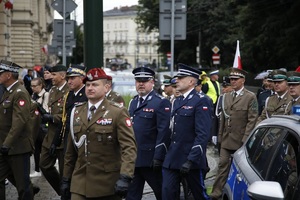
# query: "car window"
284,167
260,148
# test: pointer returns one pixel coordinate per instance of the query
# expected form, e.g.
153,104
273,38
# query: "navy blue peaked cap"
185,70
143,73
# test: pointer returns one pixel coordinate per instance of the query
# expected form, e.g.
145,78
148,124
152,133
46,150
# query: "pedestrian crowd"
104,151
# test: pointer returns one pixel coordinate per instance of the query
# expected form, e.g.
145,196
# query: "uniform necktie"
181,98
140,101
234,95
92,110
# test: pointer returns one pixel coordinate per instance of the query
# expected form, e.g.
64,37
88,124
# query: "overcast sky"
107,5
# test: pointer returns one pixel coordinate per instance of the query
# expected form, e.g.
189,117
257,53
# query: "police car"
267,166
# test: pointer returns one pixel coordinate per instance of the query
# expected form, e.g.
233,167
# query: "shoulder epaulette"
115,104
159,96
201,95
77,104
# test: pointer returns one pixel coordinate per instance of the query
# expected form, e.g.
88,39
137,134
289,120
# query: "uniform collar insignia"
190,96
106,112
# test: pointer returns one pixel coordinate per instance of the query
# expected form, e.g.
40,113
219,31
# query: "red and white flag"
237,59
45,49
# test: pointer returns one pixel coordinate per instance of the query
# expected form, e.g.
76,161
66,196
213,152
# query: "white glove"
214,140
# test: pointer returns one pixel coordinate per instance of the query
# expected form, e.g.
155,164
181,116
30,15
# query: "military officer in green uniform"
112,95
276,104
50,152
293,81
101,151
16,143
237,120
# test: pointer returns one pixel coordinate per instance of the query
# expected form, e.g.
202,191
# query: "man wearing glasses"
237,120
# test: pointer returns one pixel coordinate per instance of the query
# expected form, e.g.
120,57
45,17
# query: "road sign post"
216,59
64,8
172,11
216,56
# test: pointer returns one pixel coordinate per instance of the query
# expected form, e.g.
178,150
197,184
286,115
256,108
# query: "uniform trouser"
80,197
2,190
142,174
223,171
171,184
38,148
19,167
48,169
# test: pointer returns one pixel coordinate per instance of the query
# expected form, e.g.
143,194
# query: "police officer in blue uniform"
150,114
190,123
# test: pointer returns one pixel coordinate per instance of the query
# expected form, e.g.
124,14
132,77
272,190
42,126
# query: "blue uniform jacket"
191,123
151,121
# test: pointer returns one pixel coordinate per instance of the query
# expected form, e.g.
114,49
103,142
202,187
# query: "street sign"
216,59
69,51
166,5
165,26
58,29
68,43
215,49
58,5
165,19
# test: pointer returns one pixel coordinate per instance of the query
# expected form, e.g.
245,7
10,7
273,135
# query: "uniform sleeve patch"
205,108
167,109
128,122
21,103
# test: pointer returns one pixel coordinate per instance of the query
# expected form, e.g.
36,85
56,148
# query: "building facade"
124,43
25,30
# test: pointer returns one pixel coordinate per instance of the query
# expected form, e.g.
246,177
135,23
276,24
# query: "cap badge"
90,76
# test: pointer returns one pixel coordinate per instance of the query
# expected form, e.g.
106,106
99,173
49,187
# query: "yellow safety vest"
212,93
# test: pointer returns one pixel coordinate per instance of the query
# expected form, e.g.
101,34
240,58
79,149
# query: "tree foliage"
268,31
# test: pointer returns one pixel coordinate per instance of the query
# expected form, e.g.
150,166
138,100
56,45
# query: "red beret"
95,74
109,77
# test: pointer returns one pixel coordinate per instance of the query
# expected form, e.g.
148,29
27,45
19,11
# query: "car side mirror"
261,190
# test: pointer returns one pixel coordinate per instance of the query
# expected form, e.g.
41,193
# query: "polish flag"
9,4
45,49
237,59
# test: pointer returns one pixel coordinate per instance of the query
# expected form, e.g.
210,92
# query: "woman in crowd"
41,96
